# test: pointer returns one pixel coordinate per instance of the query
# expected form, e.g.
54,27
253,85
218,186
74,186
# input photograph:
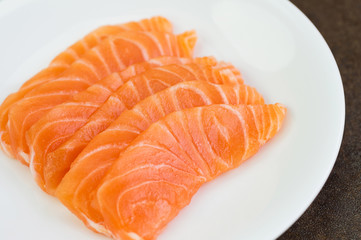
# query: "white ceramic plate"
278,51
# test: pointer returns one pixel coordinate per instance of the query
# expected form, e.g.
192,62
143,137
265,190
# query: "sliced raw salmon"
158,174
113,54
156,24
50,162
66,58
60,123
78,187
78,49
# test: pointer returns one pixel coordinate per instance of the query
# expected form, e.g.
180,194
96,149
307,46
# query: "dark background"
336,212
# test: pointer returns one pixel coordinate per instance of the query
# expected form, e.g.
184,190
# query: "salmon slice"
62,62
112,55
49,167
78,49
158,174
156,24
78,187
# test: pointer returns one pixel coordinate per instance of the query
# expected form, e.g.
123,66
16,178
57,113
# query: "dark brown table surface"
336,212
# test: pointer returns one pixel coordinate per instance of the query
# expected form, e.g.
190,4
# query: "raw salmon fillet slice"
62,62
113,54
78,49
49,167
78,187
158,174
156,24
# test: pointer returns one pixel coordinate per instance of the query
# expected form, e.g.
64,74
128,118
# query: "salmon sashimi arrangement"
61,62
112,55
125,126
124,98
